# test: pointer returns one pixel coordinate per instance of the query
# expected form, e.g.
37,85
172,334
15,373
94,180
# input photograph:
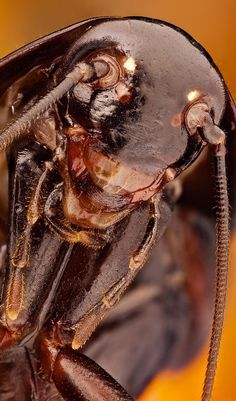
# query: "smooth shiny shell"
172,70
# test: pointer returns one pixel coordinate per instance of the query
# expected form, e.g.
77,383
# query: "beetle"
100,119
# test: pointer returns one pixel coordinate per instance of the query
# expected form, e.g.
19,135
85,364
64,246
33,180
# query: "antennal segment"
81,72
222,257
198,120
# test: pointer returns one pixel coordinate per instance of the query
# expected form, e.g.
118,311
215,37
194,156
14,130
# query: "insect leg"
6,338
78,378
22,250
3,250
21,253
86,312
88,323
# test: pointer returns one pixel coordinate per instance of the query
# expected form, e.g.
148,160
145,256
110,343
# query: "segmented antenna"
198,120
222,257
81,72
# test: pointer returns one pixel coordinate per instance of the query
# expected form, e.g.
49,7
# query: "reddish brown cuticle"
76,131
176,120
170,174
123,93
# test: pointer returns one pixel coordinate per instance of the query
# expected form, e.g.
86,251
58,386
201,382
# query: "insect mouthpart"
113,176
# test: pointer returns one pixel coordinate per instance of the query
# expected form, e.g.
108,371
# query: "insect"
99,120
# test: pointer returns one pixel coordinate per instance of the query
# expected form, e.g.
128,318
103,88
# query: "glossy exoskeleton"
99,120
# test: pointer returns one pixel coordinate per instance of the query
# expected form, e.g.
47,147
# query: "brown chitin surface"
179,276
124,139
166,281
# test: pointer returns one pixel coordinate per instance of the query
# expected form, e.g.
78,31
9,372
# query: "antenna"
81,72
222,256
198,120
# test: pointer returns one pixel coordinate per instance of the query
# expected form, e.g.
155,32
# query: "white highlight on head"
193,95
130,64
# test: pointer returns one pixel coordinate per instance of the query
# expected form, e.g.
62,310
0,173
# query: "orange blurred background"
212,23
